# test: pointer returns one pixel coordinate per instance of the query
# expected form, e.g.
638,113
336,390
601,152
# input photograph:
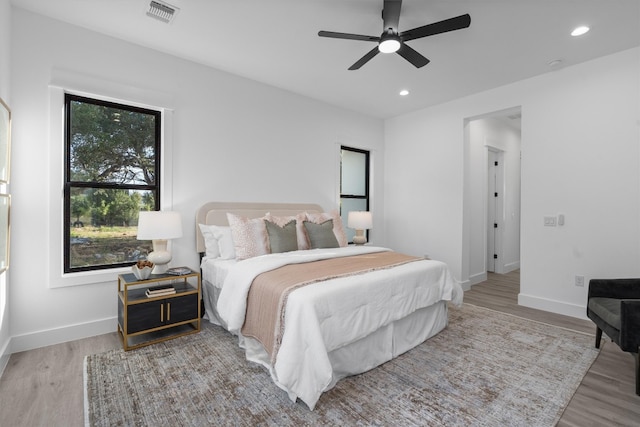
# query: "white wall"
580,157
233,140
5,38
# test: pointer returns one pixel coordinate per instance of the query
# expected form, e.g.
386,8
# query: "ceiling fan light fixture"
389,46
389,42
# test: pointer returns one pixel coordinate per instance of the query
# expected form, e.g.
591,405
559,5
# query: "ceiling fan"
391,40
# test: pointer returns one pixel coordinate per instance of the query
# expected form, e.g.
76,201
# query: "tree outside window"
112,170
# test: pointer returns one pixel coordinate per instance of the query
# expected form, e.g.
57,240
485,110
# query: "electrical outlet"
550,221
580,281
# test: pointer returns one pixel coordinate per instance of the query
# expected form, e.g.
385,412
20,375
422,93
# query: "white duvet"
325,316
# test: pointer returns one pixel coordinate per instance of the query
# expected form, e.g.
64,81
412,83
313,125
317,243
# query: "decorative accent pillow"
338,230
282,239
303,241
321,235
249,236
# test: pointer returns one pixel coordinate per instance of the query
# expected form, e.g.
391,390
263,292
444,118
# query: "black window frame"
69,185
366,196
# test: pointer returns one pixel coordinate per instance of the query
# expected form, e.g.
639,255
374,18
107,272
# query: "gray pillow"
321,235
282,239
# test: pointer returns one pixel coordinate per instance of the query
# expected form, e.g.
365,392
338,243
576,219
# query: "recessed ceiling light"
556,63
578,31
404,92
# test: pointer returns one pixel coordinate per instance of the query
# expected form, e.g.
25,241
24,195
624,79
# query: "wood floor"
43,387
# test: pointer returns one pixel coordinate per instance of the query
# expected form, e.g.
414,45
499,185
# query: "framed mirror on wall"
5,141
5,199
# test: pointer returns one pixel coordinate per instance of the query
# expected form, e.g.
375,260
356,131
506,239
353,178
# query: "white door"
494,204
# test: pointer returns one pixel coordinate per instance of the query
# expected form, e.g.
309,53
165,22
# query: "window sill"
87,277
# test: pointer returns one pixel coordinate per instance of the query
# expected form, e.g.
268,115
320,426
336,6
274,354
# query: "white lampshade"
159,226
360,220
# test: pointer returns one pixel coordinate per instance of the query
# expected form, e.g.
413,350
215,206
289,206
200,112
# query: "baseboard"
512,266
63,334
465,285
553,306
478,278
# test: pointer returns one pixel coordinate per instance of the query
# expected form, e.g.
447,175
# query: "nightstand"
145,320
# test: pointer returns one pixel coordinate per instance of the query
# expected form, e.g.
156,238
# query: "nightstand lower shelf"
147,338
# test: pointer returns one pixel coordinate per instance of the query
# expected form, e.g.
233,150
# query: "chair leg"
598,336
637,357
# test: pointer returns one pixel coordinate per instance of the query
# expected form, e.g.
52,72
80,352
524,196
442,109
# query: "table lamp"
360,221
159,226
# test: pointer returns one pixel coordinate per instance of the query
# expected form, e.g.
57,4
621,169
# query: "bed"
374,306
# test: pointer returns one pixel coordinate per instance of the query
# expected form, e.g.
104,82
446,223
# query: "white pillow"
210,241
225,242
217,241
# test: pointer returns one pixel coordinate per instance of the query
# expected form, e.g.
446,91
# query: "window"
354,184
112,171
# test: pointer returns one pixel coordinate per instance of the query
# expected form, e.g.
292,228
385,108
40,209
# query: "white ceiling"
276,42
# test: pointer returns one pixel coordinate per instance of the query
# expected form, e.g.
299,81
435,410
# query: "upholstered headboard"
215,213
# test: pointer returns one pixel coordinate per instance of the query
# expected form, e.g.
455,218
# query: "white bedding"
324,317
215,270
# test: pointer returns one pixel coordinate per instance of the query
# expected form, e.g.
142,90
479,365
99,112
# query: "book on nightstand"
179,271
160,291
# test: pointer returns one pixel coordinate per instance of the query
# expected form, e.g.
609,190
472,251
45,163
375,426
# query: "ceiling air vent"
162,11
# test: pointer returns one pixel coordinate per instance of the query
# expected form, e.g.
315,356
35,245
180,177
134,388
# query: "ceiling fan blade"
412,56
451,24
360,62
391,14
348,36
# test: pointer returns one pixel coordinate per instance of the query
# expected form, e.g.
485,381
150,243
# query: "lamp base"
359,238
159,268
160,257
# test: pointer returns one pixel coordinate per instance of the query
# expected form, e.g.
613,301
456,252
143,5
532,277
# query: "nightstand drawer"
181,309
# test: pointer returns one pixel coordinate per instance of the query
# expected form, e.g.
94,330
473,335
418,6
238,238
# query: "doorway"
491,223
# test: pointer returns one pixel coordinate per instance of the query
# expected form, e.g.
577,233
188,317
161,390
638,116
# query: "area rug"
485,369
